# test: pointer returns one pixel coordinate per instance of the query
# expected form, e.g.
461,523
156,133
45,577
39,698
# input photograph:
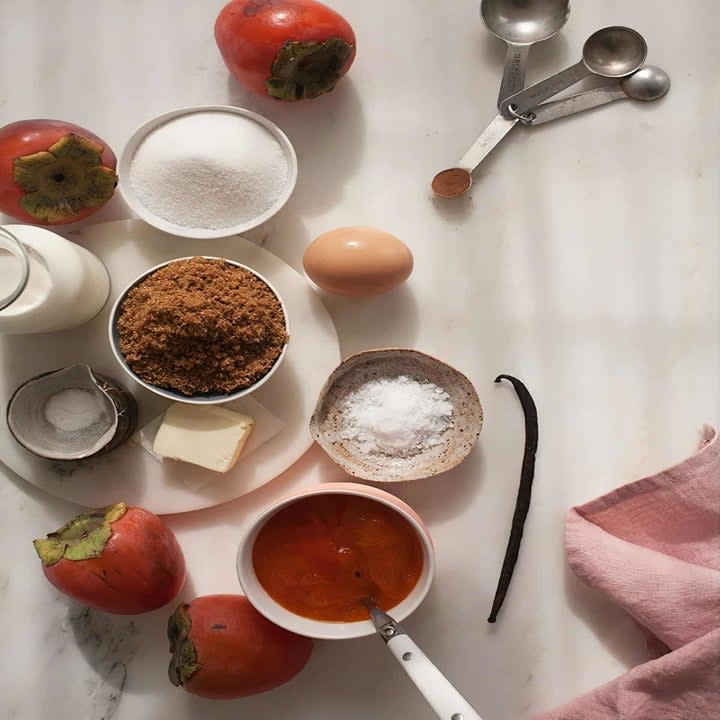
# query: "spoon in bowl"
445,700
612,52
649,83
520,24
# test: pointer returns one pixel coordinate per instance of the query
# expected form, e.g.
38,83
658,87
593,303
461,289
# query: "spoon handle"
533,95
444,698
575,104
513,79
491,136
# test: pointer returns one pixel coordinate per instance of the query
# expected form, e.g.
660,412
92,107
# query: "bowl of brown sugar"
201,330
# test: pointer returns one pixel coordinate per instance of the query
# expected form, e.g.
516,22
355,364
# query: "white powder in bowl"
74,409
209,170
397,416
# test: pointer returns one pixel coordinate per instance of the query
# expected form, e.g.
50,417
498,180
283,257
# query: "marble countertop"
585,261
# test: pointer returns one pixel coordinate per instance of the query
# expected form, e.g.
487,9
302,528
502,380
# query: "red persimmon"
223,648
285,49
118,559
53,172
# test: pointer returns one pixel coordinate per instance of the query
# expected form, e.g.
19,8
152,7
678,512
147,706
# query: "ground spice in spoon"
522,504
452,183
201,326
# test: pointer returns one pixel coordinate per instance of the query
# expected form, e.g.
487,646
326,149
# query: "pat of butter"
212,437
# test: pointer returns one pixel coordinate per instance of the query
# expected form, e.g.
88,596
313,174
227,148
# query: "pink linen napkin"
654,547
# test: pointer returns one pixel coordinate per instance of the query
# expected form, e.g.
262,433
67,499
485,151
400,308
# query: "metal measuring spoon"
456,181
613,52
647,84
521,23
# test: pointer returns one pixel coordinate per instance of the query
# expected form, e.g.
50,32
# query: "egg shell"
357,261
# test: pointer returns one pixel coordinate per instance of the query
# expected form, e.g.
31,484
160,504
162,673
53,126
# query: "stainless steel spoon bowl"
613,52
521,23
649,83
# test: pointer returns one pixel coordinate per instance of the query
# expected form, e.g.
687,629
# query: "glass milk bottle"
57,284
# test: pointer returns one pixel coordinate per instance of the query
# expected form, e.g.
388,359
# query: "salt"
397,416
209,170
73,409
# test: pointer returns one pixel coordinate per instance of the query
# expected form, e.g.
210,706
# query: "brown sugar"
201,326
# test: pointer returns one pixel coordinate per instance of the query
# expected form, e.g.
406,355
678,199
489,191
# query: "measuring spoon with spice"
520,24
647,84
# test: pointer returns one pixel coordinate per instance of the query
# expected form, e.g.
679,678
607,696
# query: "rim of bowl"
323,629
170,394
161,223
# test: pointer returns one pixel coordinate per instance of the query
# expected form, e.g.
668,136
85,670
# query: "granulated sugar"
397,416
209,170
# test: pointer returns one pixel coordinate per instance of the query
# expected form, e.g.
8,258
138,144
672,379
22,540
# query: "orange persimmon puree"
323,555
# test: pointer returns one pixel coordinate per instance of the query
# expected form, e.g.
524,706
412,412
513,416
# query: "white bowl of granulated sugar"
208,171
396,414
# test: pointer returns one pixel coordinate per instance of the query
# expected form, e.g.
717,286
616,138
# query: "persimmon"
223,648
118,559
285,49
53,172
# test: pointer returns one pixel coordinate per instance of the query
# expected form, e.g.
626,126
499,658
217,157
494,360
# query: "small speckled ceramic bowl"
319,629
458,439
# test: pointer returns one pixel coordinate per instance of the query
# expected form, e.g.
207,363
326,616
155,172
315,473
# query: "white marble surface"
586,262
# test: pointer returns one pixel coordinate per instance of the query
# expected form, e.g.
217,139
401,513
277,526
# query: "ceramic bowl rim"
136,205
318,629
170,394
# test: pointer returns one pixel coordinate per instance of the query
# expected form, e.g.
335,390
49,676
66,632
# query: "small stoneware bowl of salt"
208,171
396,414
71,414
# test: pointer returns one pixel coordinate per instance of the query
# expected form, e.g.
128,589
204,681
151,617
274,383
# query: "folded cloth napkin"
654,548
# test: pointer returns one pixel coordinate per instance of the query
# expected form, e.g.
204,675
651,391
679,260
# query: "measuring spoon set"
615,53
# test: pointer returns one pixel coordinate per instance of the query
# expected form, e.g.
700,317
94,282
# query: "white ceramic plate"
168,226
128,247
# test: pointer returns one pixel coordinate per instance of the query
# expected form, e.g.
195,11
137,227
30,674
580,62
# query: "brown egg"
357,261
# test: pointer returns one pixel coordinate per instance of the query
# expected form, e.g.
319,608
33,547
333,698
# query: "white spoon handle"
445,700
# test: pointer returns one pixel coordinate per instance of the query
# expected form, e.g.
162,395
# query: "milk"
67,285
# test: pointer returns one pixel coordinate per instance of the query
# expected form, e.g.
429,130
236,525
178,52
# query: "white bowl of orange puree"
309,561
